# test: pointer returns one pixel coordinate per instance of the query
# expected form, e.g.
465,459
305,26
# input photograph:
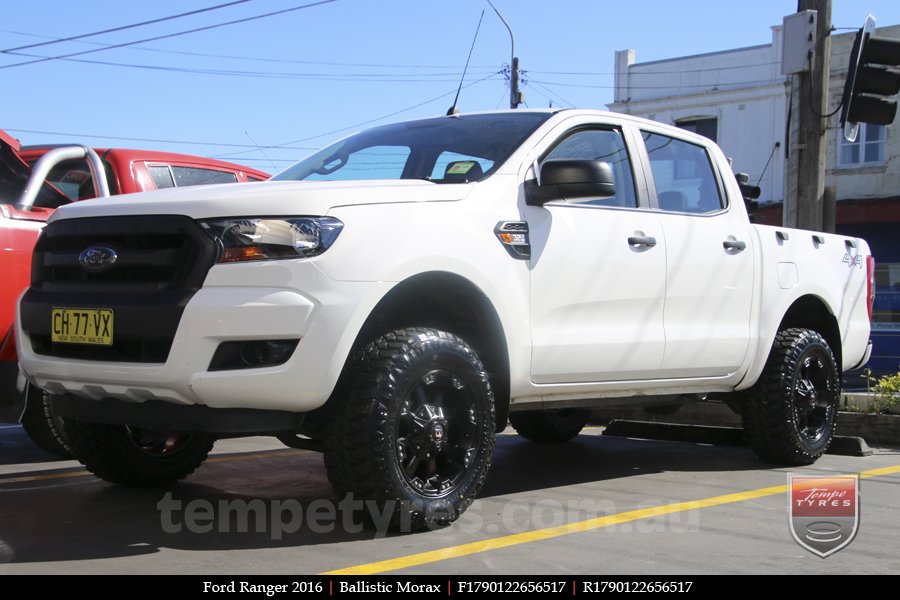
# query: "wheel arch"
452,303
808,311
811,312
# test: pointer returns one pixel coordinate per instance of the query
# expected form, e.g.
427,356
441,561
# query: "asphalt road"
596,505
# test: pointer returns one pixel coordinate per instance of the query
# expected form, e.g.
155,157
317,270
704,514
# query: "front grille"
154,253
162,262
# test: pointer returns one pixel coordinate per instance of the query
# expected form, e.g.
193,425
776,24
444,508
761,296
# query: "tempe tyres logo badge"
824,511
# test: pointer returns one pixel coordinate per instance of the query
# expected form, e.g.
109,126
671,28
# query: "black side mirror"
571,180
749,192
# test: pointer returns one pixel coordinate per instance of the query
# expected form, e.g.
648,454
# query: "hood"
267,198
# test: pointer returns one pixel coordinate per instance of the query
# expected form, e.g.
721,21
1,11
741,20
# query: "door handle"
642,241
734,245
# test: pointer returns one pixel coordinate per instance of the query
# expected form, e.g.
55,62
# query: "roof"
129,154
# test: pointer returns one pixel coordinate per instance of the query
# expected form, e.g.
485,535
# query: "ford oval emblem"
97,259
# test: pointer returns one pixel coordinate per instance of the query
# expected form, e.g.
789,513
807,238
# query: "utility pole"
515,96
805,176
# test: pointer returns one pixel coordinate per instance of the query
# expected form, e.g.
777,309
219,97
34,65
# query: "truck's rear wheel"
789,415
414,428
549,426
137,457
44,428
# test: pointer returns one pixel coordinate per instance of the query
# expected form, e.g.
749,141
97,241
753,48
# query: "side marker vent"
514,237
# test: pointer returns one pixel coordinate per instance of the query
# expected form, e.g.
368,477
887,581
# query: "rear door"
709,266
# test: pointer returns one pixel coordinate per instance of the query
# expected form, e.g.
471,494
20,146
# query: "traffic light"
872,81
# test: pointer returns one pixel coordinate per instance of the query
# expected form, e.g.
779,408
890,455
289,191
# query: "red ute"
127,171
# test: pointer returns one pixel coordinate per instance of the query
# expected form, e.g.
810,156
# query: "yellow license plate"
82,326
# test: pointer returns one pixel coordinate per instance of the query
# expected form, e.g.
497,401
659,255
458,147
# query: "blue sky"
295,81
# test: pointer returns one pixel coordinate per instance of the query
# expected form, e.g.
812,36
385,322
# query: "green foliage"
886,391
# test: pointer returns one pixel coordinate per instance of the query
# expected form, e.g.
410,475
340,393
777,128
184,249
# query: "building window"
706,127
868,149
886,312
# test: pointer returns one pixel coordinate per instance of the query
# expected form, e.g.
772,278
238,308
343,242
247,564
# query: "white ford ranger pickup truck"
399,296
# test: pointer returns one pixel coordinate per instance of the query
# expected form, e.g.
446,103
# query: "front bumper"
325,317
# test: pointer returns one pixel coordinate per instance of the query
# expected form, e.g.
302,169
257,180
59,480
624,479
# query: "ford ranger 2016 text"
397,297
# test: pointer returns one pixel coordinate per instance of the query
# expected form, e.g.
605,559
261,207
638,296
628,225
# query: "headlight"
267,238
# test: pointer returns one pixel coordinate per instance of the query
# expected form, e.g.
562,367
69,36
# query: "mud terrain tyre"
137,457
44,428
413,430
789,415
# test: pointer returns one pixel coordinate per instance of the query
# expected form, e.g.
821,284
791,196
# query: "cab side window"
683,173
166,176
187,176
607,145
162,176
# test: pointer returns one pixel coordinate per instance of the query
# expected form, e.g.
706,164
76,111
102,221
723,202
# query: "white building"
740,98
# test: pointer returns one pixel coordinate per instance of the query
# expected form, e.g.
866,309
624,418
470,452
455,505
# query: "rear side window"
684,177
166,176
162,177
186,176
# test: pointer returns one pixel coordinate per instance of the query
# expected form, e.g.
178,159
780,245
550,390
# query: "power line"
123,27
403,110
367,122
154,140
357,77
503,96
269,59
169,35
288,161
549,91
544,95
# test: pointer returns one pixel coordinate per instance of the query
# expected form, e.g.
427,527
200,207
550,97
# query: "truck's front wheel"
789,414
414,428
44,428
137,457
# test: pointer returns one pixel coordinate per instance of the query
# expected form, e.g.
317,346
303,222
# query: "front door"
598,277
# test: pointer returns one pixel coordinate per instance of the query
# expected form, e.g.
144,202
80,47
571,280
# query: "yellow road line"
212,459
424,558
80,473
257,456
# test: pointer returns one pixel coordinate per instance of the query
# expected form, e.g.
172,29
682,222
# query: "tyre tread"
765,410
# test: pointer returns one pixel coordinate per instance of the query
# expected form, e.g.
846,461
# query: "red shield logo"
824,511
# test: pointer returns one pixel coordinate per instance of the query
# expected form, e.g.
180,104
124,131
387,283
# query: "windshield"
444,150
